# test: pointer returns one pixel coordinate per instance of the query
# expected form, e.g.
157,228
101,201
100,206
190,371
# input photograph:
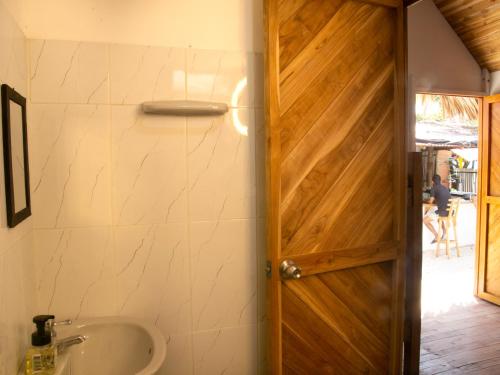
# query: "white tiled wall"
17,292
150,216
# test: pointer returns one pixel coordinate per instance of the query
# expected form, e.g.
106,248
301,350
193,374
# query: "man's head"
436,179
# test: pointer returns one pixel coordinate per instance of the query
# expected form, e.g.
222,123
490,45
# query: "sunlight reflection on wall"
240,127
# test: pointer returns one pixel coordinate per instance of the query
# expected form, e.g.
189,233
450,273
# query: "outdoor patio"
456,327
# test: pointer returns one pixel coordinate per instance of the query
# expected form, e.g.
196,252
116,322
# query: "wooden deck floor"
465,340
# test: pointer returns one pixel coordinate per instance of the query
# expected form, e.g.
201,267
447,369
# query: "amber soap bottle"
41,357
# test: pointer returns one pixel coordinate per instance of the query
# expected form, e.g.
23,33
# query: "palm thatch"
451,107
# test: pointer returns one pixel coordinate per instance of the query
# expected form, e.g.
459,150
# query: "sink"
113,346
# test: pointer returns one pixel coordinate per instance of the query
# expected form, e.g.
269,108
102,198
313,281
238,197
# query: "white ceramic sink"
114,346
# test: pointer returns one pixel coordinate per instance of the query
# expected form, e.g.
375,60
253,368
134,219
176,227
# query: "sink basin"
114,346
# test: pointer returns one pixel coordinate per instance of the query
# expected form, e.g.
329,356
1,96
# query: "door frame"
412,328
483,201
273,235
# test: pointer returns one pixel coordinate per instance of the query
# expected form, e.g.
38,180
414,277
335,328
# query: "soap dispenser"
40,358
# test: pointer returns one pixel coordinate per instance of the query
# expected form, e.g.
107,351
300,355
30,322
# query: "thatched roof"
446,121
460,108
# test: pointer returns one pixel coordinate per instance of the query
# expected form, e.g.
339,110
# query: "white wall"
159,218
17,290
495,83
215,24
154,217
438,61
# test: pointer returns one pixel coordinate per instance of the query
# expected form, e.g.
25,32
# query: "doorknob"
289,270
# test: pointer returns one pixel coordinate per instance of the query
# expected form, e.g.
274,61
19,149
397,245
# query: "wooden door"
488,233
336,184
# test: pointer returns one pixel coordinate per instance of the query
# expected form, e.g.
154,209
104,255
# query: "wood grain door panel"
488,242
318,310
336,184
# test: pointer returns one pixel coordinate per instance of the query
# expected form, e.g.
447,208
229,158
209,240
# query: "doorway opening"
447,129
447,133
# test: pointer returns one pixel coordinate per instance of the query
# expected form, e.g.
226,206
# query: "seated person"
440,195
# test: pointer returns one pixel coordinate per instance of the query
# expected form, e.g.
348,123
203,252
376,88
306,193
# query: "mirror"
15,150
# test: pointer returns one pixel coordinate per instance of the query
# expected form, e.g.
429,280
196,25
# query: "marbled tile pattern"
223,262
17,289
149,167
143,73
70,165
75,271
68,72
151,216
226,351
220,76
148,258
222,166
17,303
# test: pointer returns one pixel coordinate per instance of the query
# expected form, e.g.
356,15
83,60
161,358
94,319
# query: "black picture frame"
8,95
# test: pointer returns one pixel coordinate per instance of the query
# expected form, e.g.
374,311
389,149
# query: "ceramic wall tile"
3,323
262,325
221,76
9,236
13,55
17,292
144,73
261,267
231,351
152,272
151,216
260,163
257,93
13,71
224,285
75,272
262,344
17,300
179,360
7,30
5,357
68,72
149,167
13,353
222,166
69,154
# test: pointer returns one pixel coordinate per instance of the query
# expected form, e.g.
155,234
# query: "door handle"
289,270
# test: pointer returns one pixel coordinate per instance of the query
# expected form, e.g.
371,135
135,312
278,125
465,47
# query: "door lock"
289,270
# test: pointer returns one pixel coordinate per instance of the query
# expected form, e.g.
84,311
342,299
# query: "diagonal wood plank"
372,212
297,234
317,94
345,30
367,291
308,327
337,316
335,124
301,356
297,30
